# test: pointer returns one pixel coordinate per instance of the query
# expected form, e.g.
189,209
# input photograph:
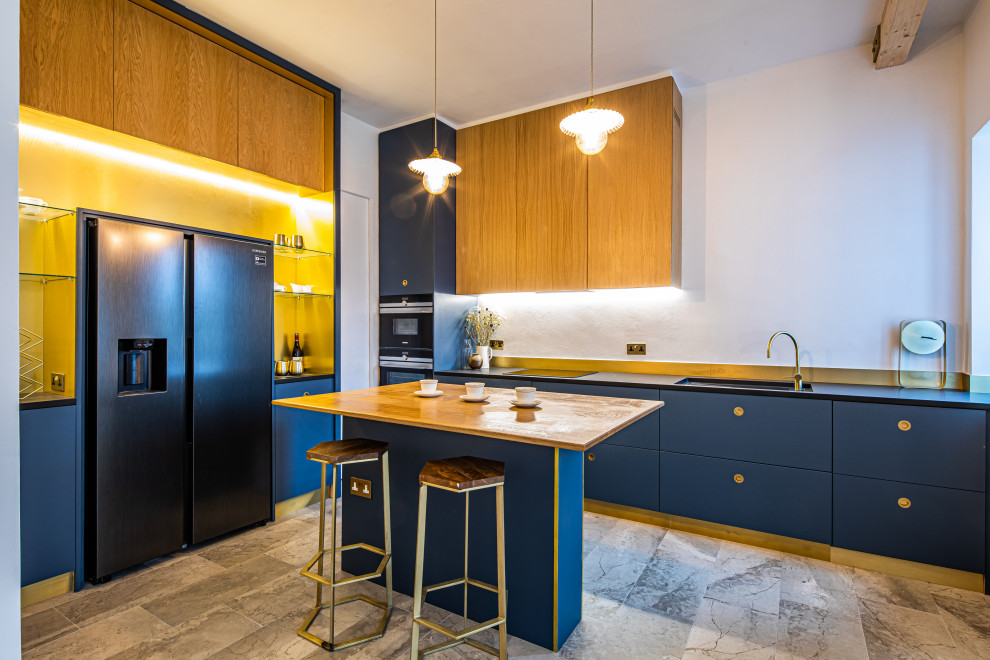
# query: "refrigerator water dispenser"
141,366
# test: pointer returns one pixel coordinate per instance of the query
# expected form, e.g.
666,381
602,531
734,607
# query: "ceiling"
499,56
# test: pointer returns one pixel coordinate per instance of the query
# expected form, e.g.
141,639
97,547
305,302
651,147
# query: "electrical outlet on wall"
58,382
360,487
497,344
635,349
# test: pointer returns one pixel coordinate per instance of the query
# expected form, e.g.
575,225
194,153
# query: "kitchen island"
543,451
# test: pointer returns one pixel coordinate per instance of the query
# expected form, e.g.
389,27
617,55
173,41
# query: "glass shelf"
292,294
299,253
44,278
39,213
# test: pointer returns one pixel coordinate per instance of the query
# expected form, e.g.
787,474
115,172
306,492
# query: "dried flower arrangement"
481,324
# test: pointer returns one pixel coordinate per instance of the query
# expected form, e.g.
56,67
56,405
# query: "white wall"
10,550
822,197
976,94
359,264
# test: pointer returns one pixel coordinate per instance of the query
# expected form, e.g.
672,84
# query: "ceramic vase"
486,356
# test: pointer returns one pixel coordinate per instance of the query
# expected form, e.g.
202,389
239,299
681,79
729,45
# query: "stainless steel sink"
744,384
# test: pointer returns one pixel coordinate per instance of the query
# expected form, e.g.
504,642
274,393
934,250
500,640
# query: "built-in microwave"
406,323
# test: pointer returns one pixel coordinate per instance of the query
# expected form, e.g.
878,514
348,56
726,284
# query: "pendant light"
591,126
435,170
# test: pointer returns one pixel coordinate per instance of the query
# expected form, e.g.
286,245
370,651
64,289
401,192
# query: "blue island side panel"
570,540
529,527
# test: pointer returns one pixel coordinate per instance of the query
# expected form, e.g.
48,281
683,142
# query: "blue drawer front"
943,526
48,496
644,433
489,381
622,475
295,432
774,430
942,447
778,500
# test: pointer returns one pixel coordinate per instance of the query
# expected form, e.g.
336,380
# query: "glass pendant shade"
591,128
436,172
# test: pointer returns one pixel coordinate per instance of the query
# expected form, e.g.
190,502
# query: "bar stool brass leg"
418,588
500,551
333,545
386,501
323,524
467,510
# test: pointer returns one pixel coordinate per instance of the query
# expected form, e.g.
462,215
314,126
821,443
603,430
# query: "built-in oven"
406,322
397,366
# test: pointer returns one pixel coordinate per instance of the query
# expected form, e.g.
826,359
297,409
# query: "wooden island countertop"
565,421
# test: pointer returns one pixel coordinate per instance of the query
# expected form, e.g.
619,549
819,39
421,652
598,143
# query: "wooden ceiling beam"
898,27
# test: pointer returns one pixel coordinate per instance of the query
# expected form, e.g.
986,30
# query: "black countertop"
837,391
46,400
307,375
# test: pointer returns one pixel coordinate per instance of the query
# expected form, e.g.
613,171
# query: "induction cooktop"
552,373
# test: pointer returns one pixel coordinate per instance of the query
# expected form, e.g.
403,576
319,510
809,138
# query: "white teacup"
525,394
475,390
428,386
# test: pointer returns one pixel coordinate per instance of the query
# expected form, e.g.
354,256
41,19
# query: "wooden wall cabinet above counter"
535,214
137,68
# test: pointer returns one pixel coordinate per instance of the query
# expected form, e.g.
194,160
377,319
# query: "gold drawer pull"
305,393
738,478
738,411
904,425
591,457
904,503
405,282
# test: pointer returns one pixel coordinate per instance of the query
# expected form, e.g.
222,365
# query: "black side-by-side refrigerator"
178,435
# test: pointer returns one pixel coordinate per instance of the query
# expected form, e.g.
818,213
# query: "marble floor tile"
675,580
97,604
901,632
194,640
637,540
968,621
290,594
299,550
280,639
821,585
808,631
44,626
103,639
238,549
611,573
747,578
583,643
894,590
723,630
596,527
195,599
649,635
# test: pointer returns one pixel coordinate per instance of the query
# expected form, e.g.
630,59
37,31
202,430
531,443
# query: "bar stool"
461,475
347,452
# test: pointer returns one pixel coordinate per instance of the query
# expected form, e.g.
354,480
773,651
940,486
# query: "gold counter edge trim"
949,577
885,377
556,537
54,586
293,504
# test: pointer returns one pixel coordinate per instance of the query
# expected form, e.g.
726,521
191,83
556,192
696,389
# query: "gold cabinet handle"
904,503
305,393
904,425
591,457
738,478
405,282
738,411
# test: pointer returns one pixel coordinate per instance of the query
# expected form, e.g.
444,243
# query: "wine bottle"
297,352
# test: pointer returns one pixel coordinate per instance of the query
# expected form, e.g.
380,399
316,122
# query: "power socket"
58,382
497,344
635,349
360,487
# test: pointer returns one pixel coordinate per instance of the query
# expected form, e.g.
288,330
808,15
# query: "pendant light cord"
435,73
592,48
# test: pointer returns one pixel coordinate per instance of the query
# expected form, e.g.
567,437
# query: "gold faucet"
797,357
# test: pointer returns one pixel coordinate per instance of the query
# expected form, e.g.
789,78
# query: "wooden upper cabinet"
280,127
551,204
486,207
634,191
172,86
66,49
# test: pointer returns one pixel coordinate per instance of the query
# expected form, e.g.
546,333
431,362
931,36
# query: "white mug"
428,386
475,390
525,394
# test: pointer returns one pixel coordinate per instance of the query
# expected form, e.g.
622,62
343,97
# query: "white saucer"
428,395
520,404
472,399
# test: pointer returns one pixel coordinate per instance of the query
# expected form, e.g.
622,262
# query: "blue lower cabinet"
489,381
776,430
927,524
933,446
767,498
295,432
644,433
48,493
622,475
